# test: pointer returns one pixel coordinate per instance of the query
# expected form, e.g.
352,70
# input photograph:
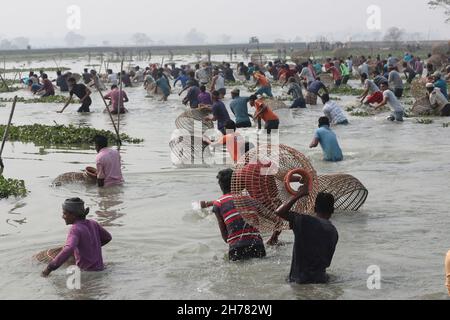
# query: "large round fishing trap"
47,256
349,193
194,119
189,150
260,185
275,104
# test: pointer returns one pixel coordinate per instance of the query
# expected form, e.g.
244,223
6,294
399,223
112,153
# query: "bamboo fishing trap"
258,191
193,120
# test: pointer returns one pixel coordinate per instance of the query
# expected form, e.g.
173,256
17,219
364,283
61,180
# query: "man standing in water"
315,238
85,240
109,172
82,92
117,97
328,141
239,107
244,240
219,111
389,97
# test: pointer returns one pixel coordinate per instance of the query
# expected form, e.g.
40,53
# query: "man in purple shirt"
85,240
109,172
204,98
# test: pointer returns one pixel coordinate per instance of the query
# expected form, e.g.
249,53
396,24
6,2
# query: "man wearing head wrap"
438,102
85,239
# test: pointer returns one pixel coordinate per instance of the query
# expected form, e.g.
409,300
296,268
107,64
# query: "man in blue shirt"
440,83
239,107
183,78
328,141
219,112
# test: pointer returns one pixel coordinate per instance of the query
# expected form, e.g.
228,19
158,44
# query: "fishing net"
261,183
418,88
438,61
275,104
259,59
300,57
189,150
422,107
47,256
341,53
327,79
194,118
440,49
311,98
349,193
75,177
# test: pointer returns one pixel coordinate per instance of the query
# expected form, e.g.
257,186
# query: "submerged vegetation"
12,188
346,91
45,69
424,121
60,135
49,99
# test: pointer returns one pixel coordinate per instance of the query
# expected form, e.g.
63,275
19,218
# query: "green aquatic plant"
49,99
59,135
360,113
12,188
8,89
30,69
424,121
346,91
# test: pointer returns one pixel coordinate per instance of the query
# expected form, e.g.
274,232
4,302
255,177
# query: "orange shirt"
235,145
268,114
262,80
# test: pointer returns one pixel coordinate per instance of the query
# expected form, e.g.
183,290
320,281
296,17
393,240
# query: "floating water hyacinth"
347,91
424,121
59,135
49,99
12,188
30,69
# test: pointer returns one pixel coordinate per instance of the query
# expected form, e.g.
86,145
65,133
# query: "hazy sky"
170,20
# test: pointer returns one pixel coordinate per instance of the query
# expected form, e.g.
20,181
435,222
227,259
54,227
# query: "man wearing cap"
440,83
240,109
85,240
438,102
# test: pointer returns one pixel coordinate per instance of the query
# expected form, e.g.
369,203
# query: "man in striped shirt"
245,241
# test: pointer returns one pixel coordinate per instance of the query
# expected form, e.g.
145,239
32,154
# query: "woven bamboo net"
258,193
259,59
47,256
300,57
327,79
422,107
275,104
418,89
189,150
194,117
349,193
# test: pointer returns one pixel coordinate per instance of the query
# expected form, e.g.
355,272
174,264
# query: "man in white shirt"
439,103
389,97
333,111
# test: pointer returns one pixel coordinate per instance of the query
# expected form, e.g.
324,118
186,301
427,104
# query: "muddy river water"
162,248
